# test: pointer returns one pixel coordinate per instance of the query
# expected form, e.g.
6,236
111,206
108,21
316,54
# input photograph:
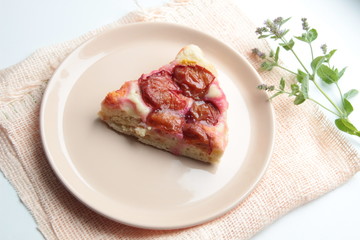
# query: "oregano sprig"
319,69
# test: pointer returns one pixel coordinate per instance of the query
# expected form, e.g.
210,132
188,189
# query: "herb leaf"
316,63
276,57
327,74
308,36
329,55
305,86
341,73
294,89
347,107
275,95
351,93
344,125
288,45
301,75
312,35
268,65
282,84
299,99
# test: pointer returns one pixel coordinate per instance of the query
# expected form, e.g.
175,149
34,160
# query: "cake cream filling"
193,54
134,103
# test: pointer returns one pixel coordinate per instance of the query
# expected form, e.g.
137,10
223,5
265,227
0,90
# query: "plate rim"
158,24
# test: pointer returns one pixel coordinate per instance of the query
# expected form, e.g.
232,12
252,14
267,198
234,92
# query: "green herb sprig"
319,70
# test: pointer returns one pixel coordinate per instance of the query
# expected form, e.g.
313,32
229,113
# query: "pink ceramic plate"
131,182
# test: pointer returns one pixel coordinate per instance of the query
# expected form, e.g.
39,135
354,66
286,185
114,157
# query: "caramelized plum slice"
201,111
159,91
193,80
195,134
166,121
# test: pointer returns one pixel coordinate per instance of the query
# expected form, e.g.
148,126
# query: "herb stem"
296,56
288,70
321,105
312,52
328,98
342,98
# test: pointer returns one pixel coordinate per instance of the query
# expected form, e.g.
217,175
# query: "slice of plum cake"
179,108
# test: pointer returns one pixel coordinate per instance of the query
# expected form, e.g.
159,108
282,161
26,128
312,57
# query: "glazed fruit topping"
159,91
166,121
168,94
193,80
204,112
195,134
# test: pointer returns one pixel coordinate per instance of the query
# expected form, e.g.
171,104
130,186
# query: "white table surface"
28,25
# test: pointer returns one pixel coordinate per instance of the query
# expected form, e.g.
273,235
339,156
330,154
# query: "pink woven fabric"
307,161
